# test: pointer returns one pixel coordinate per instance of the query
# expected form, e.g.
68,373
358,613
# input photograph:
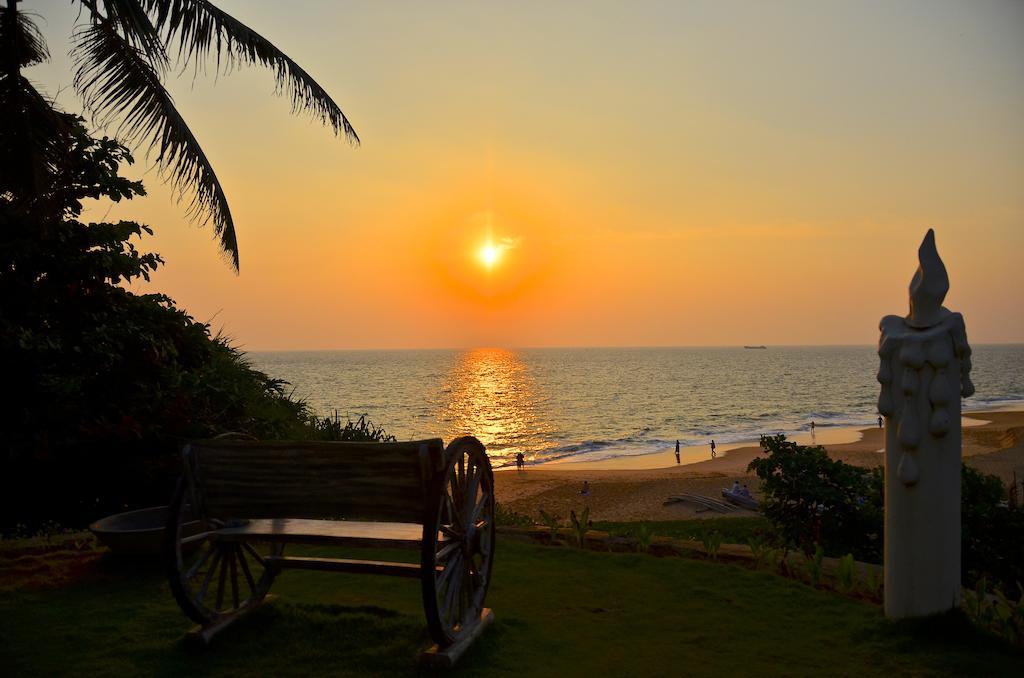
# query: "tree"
811,499
123,51
106,384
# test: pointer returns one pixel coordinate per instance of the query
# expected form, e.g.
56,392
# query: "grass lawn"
559,612
733,530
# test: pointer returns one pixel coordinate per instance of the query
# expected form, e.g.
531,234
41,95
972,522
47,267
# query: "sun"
489,254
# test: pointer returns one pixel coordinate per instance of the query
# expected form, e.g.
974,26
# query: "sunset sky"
706,173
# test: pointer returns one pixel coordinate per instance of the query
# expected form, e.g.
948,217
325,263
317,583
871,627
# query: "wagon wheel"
212,578
458,545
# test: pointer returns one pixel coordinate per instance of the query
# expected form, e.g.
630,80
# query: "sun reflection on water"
491,394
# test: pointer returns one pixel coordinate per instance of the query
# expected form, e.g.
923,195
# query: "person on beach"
735,487
677,451
879,421
586,488
812,427
745,491
519,461
712,449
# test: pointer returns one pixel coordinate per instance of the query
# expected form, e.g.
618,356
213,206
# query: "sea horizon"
600,403
247,350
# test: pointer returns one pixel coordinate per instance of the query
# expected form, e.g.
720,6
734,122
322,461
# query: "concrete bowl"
136,534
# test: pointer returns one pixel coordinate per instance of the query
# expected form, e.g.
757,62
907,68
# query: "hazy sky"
672,173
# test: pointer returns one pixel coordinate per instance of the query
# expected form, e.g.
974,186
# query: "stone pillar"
925,369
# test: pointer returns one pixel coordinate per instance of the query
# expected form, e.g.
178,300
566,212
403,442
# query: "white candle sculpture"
925,369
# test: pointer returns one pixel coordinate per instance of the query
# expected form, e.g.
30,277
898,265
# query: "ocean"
592,404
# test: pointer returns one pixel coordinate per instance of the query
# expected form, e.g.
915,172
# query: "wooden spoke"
202,536
234,577
472,484
220,581
447,550
479,508
252,552
454,586
449,571
245,570
208,578
194,570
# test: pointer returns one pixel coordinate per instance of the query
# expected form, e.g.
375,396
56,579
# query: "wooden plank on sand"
701,500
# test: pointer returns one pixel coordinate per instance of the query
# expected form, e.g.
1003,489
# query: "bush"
712,541
811,499
992,534
813,562
995,612
580,526
507,517
644,536
846,576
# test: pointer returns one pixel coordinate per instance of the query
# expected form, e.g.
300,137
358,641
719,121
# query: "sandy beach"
635,488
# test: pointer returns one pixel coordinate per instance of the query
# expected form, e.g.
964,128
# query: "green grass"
733,530
559,611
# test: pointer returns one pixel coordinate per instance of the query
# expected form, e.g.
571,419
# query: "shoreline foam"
665,459
995,445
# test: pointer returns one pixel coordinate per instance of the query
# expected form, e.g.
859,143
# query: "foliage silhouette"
123,50
811,499
109,383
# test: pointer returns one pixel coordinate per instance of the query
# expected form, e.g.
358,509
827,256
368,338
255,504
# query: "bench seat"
335,532
251,499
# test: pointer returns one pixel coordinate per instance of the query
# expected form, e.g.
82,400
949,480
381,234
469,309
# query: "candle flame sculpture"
925,364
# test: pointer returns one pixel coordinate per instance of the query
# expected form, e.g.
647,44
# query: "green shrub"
811,499
847,574
580,526
553,523
992,535
873,582
643,536
813,563
362,429
759,548
992,610
507,517
712,541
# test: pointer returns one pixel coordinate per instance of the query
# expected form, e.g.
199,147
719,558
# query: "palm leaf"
202,29
117,79
32,146
21,40
132,22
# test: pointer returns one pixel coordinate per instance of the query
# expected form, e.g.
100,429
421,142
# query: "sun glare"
489,254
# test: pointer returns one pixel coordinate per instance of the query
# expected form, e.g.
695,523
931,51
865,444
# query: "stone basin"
136,534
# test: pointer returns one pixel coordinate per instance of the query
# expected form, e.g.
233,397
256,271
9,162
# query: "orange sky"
663,173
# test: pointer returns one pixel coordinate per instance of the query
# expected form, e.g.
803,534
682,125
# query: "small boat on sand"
740,499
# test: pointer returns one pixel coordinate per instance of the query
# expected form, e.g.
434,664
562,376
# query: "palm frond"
132,22
31,145
116,79
202,29
20,38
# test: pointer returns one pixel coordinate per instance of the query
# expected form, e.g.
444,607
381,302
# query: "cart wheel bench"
253,499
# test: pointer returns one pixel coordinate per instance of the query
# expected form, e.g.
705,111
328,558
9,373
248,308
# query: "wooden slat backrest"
318,480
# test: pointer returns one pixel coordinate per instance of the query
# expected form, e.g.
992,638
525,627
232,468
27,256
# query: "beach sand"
993,442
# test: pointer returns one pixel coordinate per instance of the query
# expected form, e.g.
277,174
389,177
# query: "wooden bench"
240,503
